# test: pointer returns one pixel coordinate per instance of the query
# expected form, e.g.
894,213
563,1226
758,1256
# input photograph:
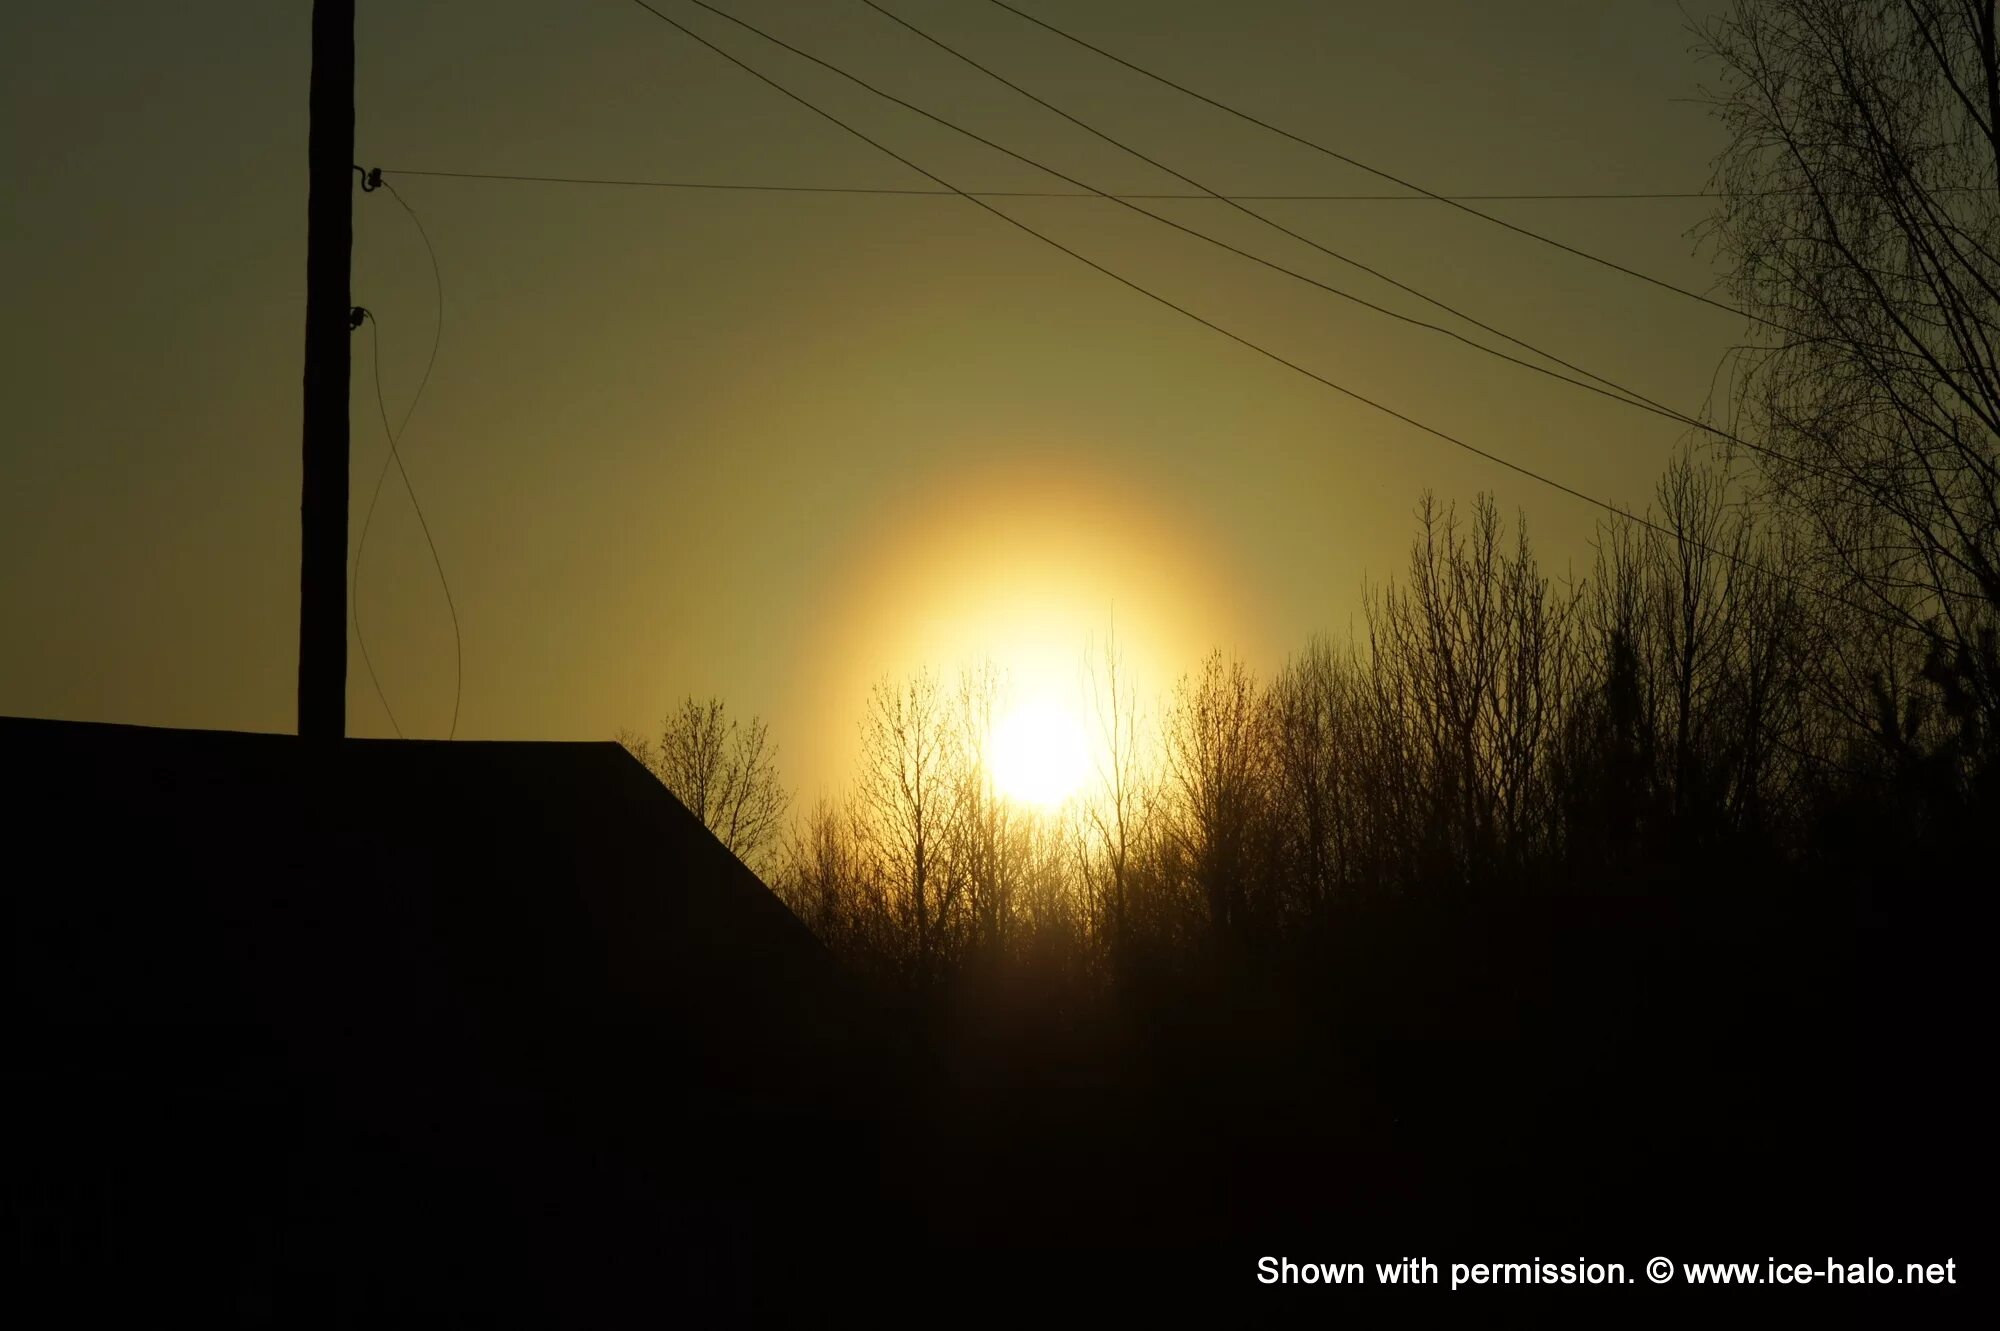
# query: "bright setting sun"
1038,754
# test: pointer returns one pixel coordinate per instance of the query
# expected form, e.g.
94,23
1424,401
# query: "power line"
1267,353
1610,388
395,457
1380,174
1628,395
1631,396
1634,399
764,188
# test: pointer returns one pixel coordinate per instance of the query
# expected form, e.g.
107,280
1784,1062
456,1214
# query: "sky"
776,446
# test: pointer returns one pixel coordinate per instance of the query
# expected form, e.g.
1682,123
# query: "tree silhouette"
1116,814
1861,224
912,788
725,773
1314,730
1215,775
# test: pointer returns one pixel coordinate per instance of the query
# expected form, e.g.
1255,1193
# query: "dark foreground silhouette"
497,1024
482,1030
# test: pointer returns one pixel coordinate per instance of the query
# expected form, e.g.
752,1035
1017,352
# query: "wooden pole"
323,498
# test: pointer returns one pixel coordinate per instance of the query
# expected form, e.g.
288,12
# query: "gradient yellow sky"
770,445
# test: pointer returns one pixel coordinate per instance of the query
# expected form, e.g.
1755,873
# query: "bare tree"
1309,714
1115,816
1214,761
1698,637
1473,663
988,850
910,789
726,774
1861,227
823,874
1693,557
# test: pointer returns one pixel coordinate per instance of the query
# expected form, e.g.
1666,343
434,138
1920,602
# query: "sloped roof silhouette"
466,977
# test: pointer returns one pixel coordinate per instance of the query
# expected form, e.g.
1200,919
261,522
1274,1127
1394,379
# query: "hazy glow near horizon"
1031,568
1037,754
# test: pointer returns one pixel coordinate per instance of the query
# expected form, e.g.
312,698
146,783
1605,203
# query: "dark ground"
485,1032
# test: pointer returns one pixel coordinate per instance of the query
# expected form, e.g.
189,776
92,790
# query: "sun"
1037,755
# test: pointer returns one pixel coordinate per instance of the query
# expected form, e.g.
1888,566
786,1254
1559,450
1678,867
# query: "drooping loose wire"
394,435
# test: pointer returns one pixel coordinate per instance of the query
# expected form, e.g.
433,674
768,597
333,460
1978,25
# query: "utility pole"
323,498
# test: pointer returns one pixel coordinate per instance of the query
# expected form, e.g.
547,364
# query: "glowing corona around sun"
1037,754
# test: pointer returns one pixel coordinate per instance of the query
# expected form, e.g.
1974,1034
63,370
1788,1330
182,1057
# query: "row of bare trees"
1681,710
1685,708
1804,626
